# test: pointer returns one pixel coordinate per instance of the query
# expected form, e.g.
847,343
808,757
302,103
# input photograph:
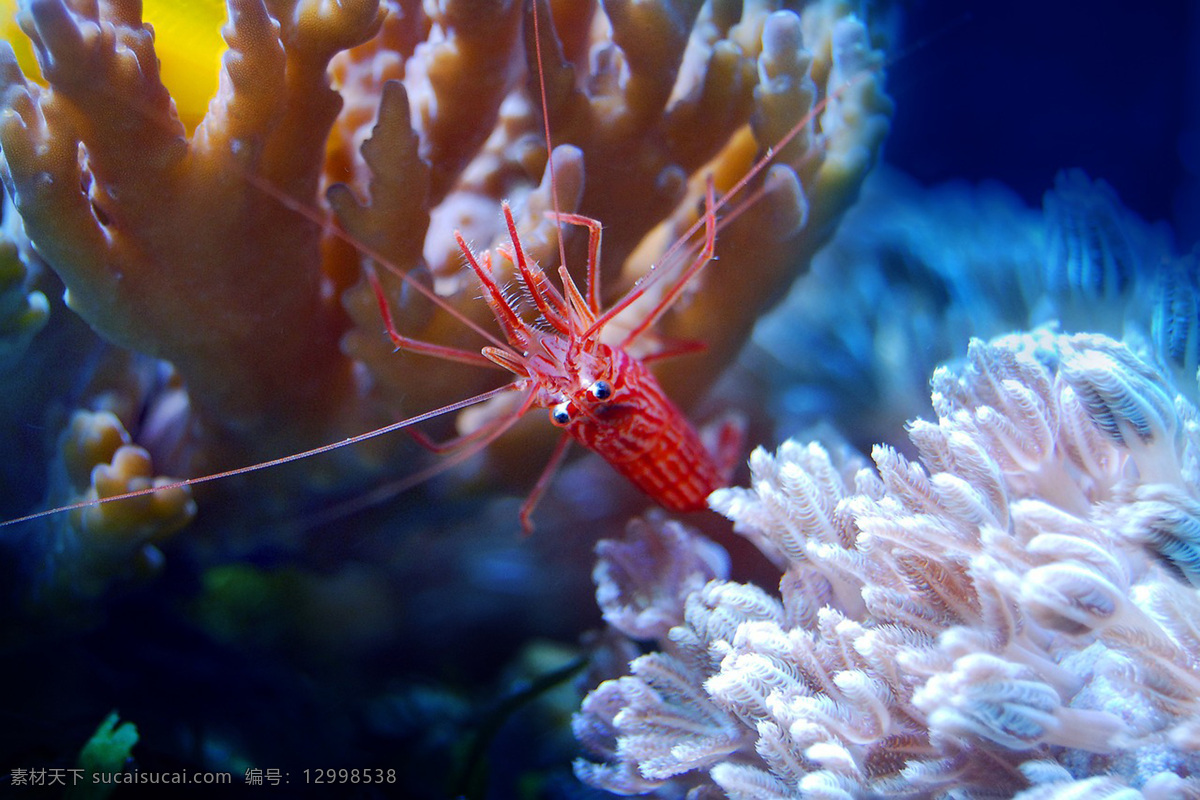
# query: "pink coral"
1004,614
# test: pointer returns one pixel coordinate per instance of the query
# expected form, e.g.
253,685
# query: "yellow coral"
187,40
100,543
148,517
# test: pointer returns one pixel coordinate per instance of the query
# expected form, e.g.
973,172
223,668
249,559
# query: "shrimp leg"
403,342
672,294
593,260
543,482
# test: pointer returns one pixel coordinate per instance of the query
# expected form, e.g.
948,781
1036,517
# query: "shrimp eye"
601,390
559,415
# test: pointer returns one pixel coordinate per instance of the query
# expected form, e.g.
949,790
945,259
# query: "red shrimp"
601,395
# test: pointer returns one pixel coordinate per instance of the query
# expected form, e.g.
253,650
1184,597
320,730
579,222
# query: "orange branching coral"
163,243
400,121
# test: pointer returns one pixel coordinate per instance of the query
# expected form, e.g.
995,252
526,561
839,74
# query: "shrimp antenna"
275,462
330,224
712,206
684,244
541,70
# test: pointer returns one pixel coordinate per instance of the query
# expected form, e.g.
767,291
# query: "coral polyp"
1005,612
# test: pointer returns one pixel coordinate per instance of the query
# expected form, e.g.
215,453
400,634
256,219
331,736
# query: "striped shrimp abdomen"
676,469
646,438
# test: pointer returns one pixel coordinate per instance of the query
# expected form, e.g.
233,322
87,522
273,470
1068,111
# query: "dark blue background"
1019,90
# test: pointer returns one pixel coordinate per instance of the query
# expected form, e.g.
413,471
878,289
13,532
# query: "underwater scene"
565,399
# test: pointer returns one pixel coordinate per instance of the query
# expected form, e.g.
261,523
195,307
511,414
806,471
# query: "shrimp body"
608,401
601,395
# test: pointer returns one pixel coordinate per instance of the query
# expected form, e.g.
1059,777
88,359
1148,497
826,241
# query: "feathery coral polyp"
1007,612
